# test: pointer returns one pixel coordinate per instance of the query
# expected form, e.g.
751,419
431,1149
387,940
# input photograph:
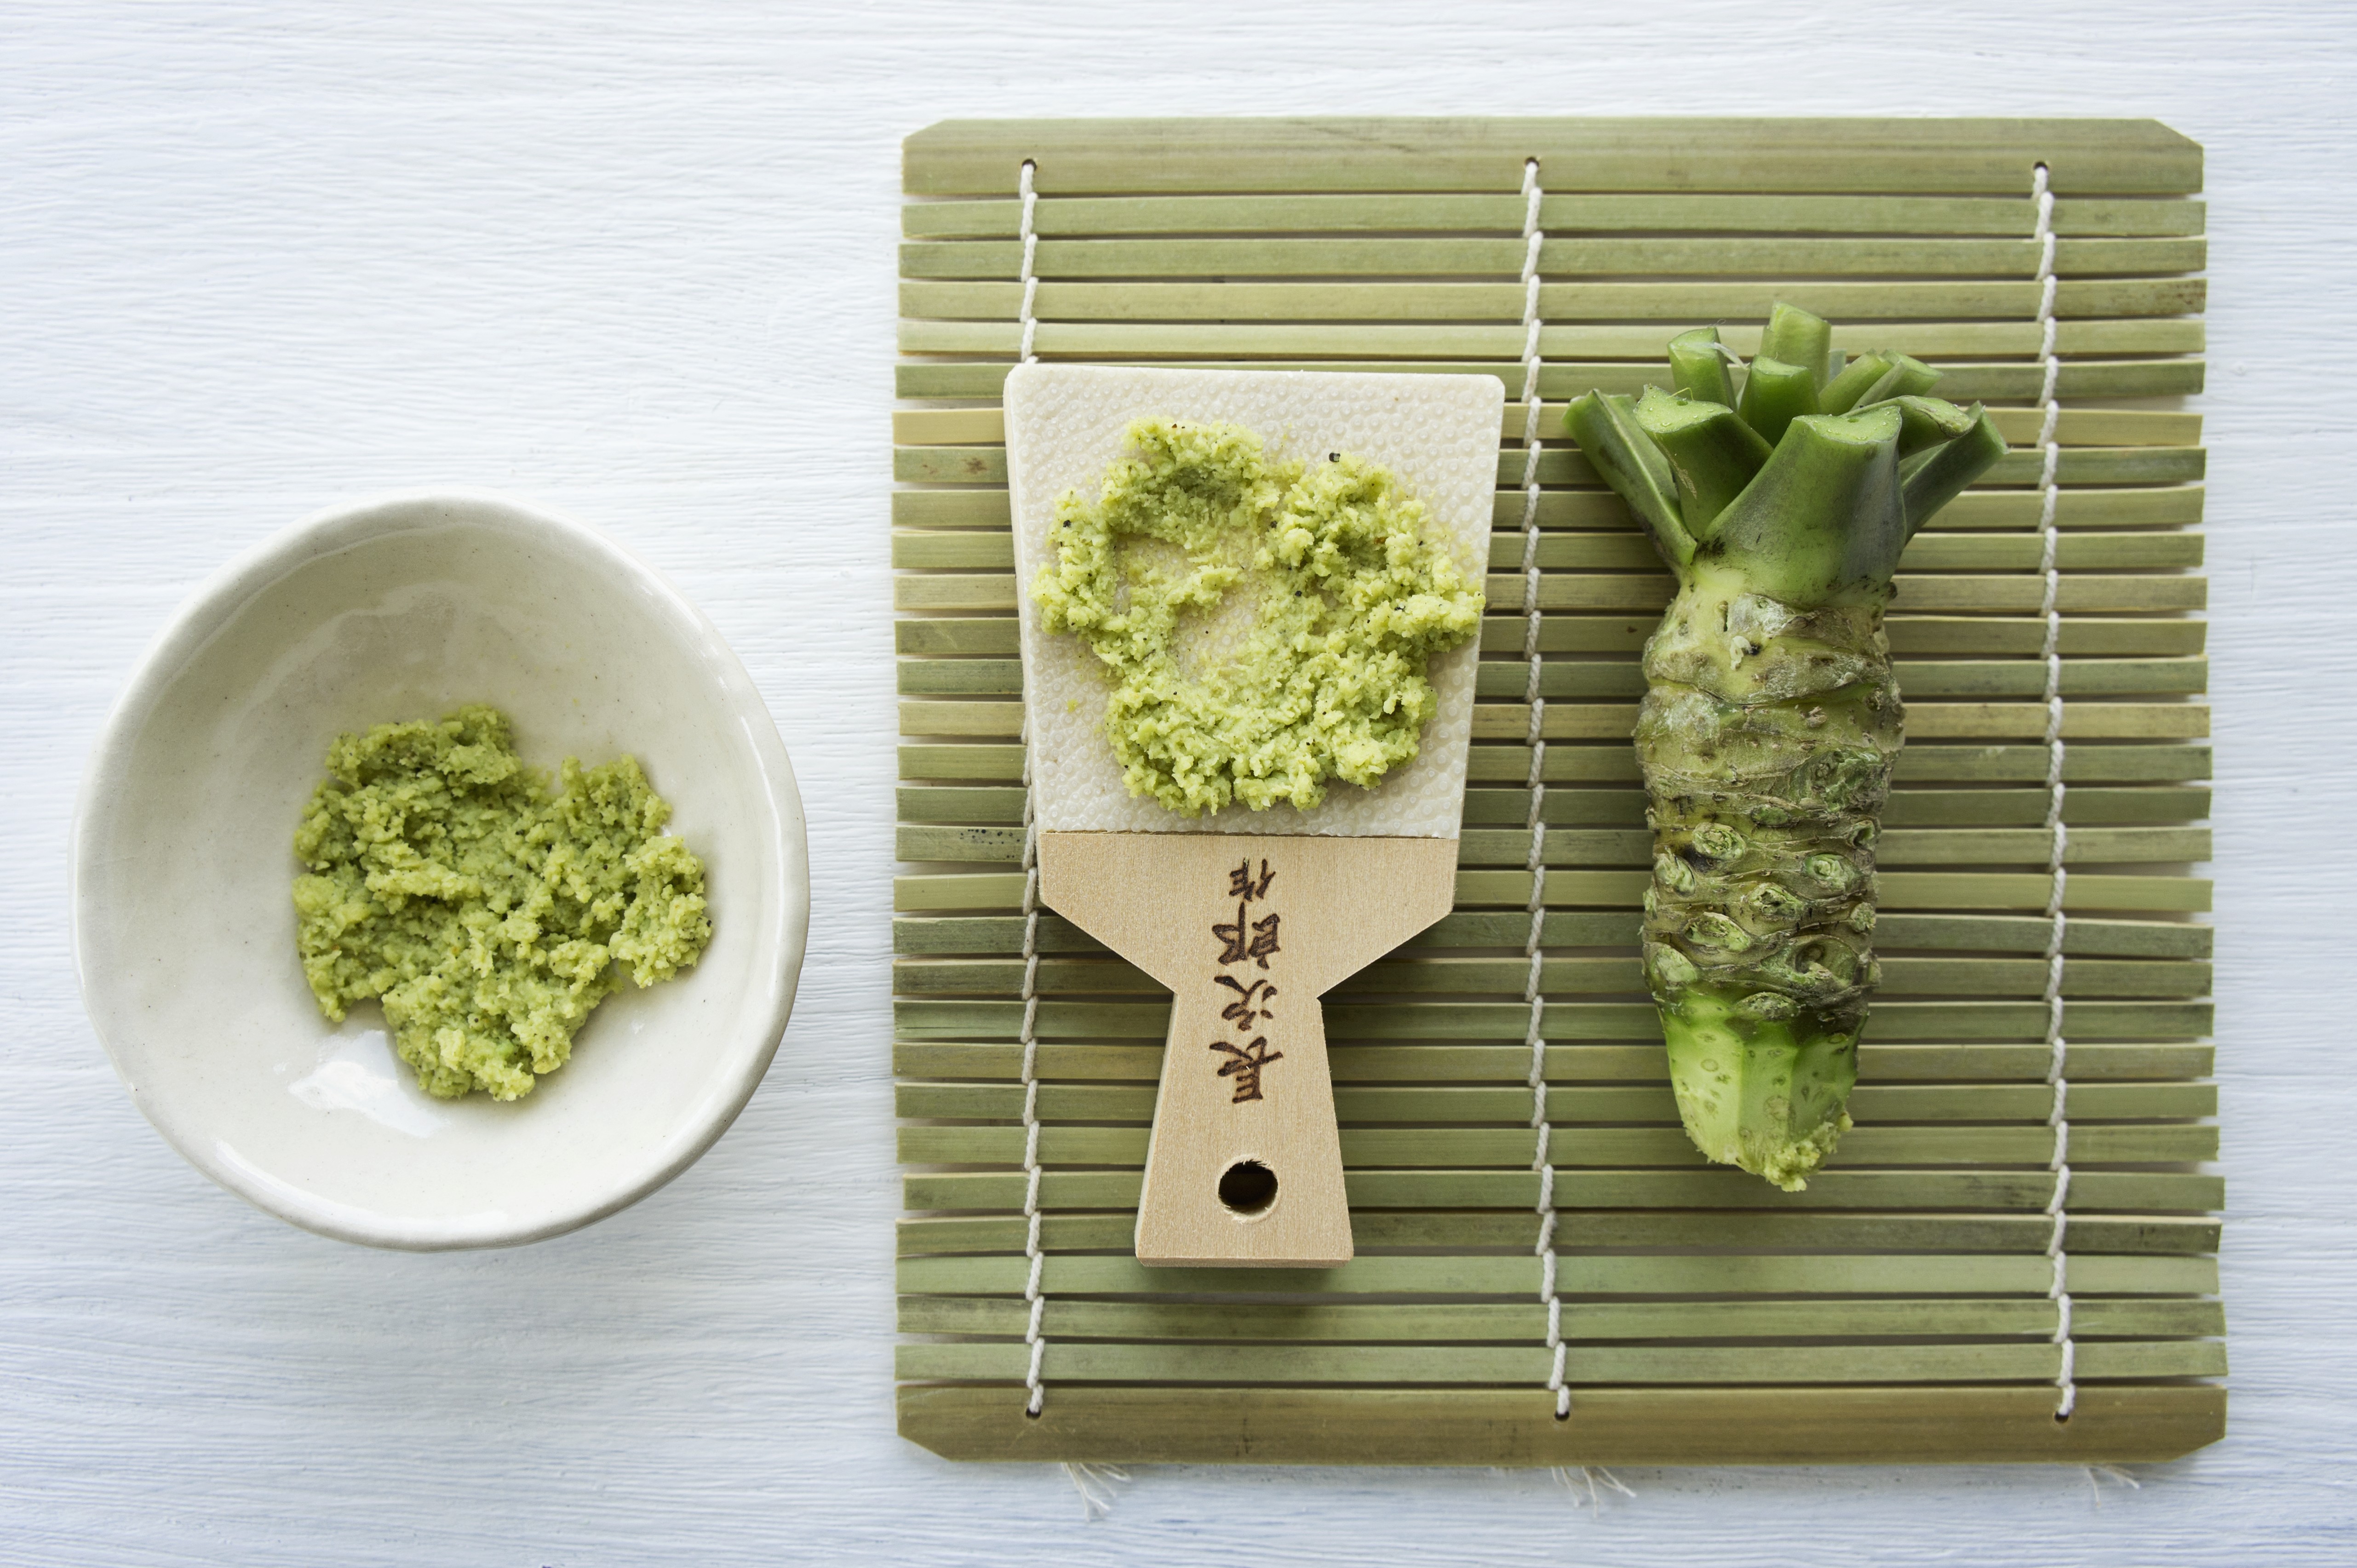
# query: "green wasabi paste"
489,916
1264,624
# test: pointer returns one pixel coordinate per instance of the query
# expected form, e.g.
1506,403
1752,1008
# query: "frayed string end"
1594,1480
1096,1485
2098,1474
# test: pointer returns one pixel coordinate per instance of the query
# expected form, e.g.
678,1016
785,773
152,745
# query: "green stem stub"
1771,722
1762,1094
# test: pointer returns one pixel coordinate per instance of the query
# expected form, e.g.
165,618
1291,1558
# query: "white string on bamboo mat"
1094,1482
2049,537
1030,262
1036,1391
1533,994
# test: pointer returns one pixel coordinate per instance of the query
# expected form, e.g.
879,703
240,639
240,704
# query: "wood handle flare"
1244,1168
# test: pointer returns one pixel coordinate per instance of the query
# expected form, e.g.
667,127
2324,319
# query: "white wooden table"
635,262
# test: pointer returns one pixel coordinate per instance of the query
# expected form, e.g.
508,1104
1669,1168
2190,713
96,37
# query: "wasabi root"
1771,719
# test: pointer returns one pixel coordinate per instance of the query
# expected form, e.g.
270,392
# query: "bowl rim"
225,593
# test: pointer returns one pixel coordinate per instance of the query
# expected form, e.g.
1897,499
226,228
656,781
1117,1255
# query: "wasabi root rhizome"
1771,720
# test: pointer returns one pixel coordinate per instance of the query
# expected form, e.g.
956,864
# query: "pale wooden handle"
1245,1165
1247,932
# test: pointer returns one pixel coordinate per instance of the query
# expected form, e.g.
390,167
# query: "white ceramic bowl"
184,926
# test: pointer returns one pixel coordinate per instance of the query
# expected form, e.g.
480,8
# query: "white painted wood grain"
636,262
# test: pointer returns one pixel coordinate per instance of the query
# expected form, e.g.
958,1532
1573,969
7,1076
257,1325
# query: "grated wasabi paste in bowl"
454,954
490,915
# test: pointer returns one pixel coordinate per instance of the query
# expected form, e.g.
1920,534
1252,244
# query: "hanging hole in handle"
1247,1188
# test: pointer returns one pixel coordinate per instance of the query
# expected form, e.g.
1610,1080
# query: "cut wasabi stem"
1776,394
1845,390
1793,336
1927,422
1698,367
1823,523
1713,453
1906,378
1770,725
1941,474
1604,426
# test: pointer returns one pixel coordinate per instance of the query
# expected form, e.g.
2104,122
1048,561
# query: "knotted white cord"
1534,994
2050,535
1035,1259
1030,262
1033,1256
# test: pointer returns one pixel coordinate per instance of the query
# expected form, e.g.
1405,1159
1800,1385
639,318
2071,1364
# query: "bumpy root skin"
1767,739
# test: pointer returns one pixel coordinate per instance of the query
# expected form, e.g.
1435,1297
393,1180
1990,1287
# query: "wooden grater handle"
1245,1167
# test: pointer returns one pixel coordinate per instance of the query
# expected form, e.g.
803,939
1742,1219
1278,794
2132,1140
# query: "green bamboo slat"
1427,1105
1958,890
983,806
2083,634
1090,1360
950,509
1067,216
1584,1323
1926,722
1921,762
1463,1230
1510,1231
923,935
1633,847
2020,381
972,549
1650,256
1451,1107
1902,976
1351,1021
1742,1273
2174,506
985,719
2092,1191
952,635
1871,1424
1558,679
1459,1149
2073,427
1879,1062
1650,594
1862,156
958,677
1866,1147
1501,340
1919,592
1661,304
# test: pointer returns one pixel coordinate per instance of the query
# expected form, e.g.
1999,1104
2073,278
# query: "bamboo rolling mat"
2024,1214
